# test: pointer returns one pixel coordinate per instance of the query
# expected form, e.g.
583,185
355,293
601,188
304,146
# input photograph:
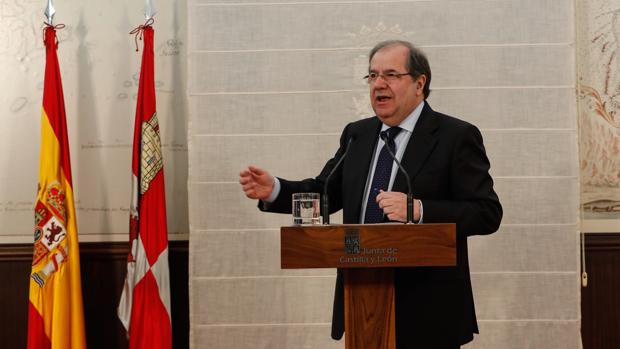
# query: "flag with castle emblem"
144,308
55,316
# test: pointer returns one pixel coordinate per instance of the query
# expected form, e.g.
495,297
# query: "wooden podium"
367,253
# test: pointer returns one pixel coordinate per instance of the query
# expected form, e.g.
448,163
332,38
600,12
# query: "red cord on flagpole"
137,31
48,26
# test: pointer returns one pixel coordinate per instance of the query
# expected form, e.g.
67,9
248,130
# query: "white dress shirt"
401,141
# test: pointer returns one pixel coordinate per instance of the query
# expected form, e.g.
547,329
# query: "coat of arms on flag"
50,231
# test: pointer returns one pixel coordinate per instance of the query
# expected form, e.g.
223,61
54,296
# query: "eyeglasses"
388,77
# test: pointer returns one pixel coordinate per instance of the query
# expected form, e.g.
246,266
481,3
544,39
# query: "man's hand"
394,205
256,183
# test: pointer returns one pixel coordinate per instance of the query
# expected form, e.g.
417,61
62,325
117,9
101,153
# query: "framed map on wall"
598,71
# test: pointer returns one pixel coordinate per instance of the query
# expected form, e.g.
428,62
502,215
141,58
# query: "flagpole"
49,12
149,9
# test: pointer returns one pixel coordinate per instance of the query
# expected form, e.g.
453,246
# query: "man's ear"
420,82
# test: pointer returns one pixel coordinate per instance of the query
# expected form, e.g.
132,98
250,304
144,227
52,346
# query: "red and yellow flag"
144,307
55,316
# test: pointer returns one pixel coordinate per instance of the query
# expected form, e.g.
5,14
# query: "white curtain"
273,84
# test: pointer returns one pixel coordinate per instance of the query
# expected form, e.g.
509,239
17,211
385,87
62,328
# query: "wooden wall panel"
103,272
15,262
600,301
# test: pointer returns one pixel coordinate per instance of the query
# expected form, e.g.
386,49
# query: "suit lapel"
419,148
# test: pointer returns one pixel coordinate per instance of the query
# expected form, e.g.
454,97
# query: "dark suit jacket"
449,170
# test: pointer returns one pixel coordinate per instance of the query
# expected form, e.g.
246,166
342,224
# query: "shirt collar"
410,121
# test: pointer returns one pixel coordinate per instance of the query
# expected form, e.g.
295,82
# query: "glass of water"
306,208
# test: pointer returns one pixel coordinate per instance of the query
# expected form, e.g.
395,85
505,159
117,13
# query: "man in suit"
449,172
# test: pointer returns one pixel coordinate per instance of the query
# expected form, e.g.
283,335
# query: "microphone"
324,198
384,137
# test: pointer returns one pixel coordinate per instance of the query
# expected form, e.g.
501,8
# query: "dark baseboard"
600,301
103,268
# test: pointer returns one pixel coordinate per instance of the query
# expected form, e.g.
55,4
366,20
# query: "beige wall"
100,72
273,84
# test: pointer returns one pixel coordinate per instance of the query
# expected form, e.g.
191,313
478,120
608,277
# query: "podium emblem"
351,242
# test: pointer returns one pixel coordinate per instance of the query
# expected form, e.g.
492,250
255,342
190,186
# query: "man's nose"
379,82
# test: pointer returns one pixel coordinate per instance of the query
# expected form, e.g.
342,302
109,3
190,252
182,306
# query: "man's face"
393,101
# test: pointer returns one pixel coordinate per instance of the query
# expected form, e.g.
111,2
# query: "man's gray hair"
417,63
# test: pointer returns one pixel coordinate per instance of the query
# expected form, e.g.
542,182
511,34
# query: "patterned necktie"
381,178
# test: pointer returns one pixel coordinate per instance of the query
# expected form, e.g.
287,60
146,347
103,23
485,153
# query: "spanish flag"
55,318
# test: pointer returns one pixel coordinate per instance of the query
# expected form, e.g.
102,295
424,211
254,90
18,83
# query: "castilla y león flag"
144,308
55,317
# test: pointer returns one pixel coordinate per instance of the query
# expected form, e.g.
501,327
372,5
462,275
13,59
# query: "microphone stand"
324,197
